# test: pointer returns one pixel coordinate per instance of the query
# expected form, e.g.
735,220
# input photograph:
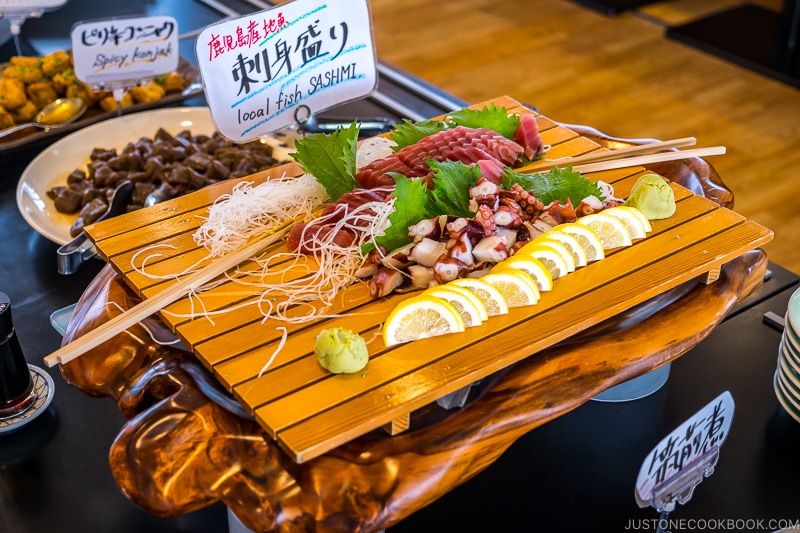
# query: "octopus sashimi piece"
452,144
527,136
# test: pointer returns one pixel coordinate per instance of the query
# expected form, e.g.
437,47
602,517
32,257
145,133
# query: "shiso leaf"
452,181
409,133
410,207
557,184
491,117
331,158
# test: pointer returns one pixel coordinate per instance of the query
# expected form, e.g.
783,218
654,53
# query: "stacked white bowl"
787,377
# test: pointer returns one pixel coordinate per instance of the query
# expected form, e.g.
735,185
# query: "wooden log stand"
189,442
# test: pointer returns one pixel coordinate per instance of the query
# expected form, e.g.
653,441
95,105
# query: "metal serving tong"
73,254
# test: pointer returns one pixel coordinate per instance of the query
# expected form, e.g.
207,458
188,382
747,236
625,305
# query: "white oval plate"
53,165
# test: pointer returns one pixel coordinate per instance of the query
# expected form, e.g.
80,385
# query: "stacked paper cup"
787,377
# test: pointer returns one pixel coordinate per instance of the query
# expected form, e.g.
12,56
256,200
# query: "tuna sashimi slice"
527,136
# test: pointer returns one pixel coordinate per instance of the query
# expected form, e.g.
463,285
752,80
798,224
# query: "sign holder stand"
684,458
18,15
680,488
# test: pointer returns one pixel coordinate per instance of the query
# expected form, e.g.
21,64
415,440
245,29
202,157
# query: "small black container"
16,385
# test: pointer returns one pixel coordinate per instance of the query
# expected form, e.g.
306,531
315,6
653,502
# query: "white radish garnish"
250,210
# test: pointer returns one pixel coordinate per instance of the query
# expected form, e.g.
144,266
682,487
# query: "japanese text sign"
261,69
706,429
124,50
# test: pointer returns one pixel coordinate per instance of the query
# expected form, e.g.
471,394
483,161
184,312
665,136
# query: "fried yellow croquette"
24,113
171,82
12,93
63,79
79,90
56,62
41,93
23,73
25,61
109,104
147,93
6,120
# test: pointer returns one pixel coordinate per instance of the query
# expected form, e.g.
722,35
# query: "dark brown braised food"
165,165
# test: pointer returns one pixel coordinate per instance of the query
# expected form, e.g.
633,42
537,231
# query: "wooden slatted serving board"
309,411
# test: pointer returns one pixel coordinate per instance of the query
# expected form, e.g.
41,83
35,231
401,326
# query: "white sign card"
301,57
124,51
706,429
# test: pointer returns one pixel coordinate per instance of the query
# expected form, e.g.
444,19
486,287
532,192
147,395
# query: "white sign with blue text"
705,430
261,70
124,50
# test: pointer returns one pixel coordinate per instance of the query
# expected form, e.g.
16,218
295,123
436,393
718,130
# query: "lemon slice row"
572,245
617,226
516,281
458,304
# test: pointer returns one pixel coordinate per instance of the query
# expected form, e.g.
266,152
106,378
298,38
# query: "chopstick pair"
156,303
628,157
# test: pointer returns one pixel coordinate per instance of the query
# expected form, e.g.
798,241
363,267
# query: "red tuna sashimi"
468,145
527,135
491,171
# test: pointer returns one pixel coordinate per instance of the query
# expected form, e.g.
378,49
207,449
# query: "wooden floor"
620,75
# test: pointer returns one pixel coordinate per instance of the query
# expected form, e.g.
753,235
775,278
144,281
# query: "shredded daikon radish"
174,340
372,149
608,192
284,335
250,210
302,280
297,288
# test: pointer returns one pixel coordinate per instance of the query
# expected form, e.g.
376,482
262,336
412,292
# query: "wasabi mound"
341,351
652,195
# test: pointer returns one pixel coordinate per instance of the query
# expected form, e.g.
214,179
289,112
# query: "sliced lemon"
466,303
517,287
491,298
586,237
421,317
531,265
552,259
559,247
569,242
609,229
632,218
638,213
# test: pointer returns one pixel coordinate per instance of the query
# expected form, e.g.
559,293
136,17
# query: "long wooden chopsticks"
650,158
157,302
608,155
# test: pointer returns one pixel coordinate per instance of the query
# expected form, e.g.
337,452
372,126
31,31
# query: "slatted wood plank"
306,402
344,422
240,369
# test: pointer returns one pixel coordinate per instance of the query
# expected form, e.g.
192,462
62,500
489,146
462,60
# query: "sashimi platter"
336,295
